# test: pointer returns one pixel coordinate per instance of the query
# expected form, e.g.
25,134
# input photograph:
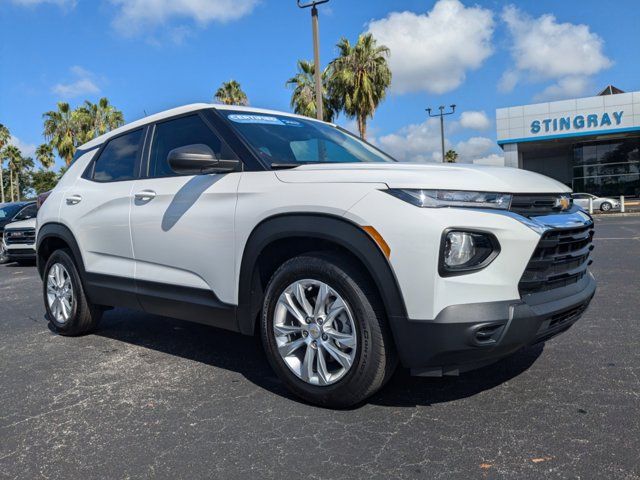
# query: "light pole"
442,115
316,52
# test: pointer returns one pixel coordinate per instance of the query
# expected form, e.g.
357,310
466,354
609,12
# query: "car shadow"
244,354
186,197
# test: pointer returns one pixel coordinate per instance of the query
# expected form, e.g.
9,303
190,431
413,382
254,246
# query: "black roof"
610,90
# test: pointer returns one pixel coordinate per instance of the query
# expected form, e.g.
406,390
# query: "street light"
316,52
442,115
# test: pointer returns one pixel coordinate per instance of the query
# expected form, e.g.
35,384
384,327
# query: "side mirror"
198,159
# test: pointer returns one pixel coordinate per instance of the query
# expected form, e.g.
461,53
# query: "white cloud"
475,120
544,49
433,51
84,84
567,87
27,149
494,159
473,148
415,143
508,81
136,15
421,142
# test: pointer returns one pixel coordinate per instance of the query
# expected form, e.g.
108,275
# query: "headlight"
466,251
452,198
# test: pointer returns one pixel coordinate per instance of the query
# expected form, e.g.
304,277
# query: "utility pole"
442,114
316,52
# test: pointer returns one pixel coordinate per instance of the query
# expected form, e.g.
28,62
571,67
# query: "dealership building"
590,144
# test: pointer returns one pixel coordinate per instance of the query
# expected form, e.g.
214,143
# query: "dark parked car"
12,212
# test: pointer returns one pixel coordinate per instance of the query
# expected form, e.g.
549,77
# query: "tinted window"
117,161
179,133
29,211
8,211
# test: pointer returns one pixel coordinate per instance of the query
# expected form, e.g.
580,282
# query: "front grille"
537,204
560,259
25,236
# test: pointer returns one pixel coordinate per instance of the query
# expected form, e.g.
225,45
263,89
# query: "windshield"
280,140
8,211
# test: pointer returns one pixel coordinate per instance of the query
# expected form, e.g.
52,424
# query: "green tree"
451,156
95,119
359,78
44,154
4,139
14,157
61,129
230,93
303,98
43,180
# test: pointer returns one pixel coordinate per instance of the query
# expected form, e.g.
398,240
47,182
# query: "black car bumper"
23,254
465,337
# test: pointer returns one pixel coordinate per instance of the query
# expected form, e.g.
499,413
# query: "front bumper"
451,343
20,252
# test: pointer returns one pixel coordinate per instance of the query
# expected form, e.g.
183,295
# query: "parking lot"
147,396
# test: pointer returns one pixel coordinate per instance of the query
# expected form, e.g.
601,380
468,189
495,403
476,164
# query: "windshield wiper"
284,166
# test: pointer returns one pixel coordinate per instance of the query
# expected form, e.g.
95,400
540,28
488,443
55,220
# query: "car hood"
428,176
29,223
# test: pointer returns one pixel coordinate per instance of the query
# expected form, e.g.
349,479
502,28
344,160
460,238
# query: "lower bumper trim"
466,337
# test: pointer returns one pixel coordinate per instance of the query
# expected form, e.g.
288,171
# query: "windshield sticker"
263,119
292,123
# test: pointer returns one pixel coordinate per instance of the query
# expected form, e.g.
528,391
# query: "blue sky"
149,55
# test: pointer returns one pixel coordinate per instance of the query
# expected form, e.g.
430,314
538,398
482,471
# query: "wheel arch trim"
327,227
58,230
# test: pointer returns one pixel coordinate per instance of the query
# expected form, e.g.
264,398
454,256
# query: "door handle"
73,199
145,195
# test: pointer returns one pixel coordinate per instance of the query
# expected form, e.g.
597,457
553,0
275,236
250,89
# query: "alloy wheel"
60,295
315,332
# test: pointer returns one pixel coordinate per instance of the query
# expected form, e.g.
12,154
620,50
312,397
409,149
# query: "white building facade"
591,144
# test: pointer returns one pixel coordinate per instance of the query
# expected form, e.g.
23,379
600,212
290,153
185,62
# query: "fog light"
466,251
459,249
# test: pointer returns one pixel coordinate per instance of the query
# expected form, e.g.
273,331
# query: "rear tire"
358,336
68,309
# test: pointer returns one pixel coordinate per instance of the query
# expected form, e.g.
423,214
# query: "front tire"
68,309
606,206
3,253
324,331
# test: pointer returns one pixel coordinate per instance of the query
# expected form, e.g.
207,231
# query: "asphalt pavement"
151,397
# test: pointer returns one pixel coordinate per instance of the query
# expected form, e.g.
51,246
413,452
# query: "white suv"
343,260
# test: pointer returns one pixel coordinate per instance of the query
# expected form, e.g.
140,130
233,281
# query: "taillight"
42,197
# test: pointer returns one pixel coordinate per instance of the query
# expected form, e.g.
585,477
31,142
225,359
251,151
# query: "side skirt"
185,303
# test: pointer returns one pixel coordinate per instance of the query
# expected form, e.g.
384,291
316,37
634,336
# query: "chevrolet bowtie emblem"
562,203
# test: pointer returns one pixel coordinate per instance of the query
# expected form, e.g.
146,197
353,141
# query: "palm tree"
23,168
14,155
359,78
303,98
4,139
230,93
451,156
96,119
61,129
44,154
